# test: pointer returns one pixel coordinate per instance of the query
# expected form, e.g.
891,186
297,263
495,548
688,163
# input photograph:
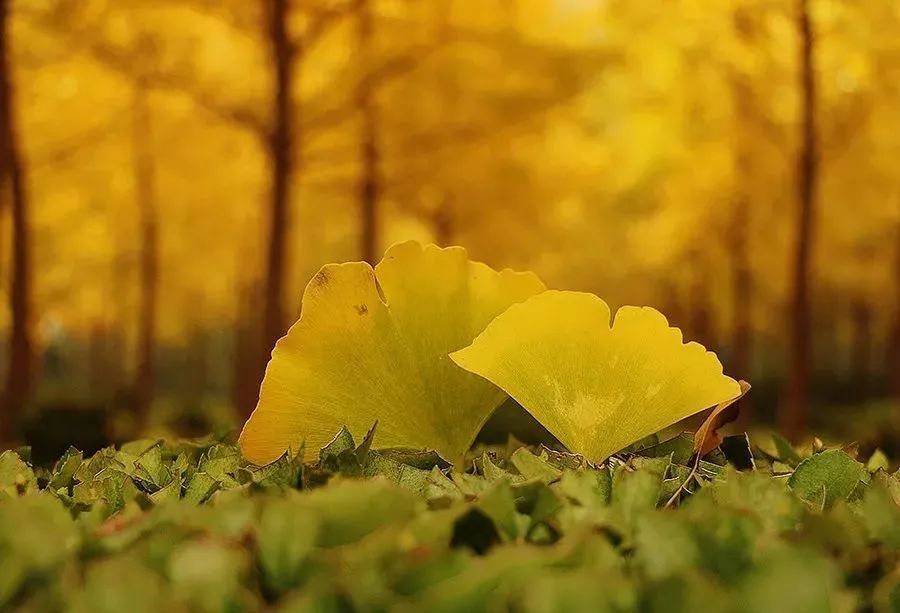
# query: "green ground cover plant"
192,525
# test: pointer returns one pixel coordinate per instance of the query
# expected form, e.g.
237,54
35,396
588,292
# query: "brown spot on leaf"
361,309
321,279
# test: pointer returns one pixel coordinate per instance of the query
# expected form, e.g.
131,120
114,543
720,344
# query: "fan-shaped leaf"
596,387
373,345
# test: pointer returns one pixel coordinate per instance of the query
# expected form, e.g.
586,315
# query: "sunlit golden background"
174,171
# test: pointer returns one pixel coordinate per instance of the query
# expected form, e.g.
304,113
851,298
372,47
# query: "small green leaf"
150,471
286,537
408,477
499,505
342,441
878,461
664,546
827,477
587,488
16,477
680,448
351,509
65,468
785,452
492,472
200,487
531,466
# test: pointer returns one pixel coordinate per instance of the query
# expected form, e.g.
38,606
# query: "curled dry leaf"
373,344
597,387
707,436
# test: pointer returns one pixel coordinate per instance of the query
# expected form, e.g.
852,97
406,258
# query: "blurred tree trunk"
145,194
443,222
98,362
281,154
741,274
893,351
672,305
742,293
197,366
702,323
861,352
20,372
796,408
369,150
120,282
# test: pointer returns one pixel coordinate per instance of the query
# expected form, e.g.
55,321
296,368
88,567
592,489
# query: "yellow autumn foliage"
596,386
373,344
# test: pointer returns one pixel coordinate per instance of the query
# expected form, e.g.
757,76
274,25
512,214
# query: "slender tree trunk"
369,151
702,324
443,222
741,273
893,351
197,365
148,214
281,153
742,293
20,373
796,408
120,283
861,352
98,362
673,305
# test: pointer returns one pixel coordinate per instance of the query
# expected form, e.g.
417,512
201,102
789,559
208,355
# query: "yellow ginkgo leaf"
596,387
373,345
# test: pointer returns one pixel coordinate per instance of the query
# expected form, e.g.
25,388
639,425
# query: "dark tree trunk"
120,283
796,407
98,362
893,351
673,305
281,154
702,325
443,222
702,322
20,373
861,352
741,294
741,273
146,197
369,151
198,366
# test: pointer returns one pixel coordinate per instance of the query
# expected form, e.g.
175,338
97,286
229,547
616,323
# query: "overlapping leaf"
373,345
597,387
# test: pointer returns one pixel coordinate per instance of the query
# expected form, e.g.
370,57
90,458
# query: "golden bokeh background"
174,171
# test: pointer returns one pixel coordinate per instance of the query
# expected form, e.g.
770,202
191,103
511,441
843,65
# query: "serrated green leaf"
16,477
785,452
878,461
65,468
150,470
200,487
587,488
531,466
342,441
408,477
827,477
492,472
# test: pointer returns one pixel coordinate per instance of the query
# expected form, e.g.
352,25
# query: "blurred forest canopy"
172,172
